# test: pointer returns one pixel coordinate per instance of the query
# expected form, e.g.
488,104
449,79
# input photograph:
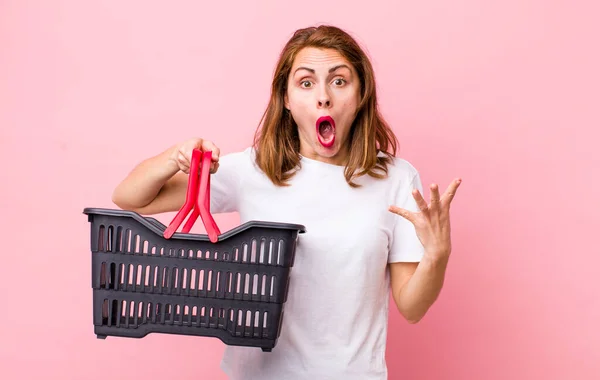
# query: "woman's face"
322,95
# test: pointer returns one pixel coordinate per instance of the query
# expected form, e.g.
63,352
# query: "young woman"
323,157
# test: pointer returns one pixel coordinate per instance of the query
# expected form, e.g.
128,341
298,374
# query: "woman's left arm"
416,286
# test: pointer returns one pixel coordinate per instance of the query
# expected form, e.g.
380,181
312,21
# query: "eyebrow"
330,70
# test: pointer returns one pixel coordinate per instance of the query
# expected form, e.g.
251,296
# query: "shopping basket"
148,278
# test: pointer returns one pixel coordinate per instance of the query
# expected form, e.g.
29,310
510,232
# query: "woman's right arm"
159,183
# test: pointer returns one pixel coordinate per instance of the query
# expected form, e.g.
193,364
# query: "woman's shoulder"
240,161
404,167
401,168
245,155
402,177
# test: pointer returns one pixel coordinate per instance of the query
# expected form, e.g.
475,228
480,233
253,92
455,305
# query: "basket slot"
188,315
252,285
269,258
101,238
261,289
206,280
250,323
156,279
127,241
118,243
132,272
136,312
162,313
217,283
173,312
170,313
124,276
274,292
280,252
193,282
213,318
147,312
184,282
169,280
112,276
108,315
119,285
179,314
215,278
131,277
203,319
110,236
153,310
138,277
243,324
127,310
137,246
202,279
147,282
157,312
117,313
174,284
121,316
103,276
245,285
261,258
104,313
181,277
153,280
253,252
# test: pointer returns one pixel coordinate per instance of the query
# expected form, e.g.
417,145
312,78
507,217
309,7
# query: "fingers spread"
420,201
435,197
451,191
435,193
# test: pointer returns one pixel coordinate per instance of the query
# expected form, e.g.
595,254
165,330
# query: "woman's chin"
327,150
331,154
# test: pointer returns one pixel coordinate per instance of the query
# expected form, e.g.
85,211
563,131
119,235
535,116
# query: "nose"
323,99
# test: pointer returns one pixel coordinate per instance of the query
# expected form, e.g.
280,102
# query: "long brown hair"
276,140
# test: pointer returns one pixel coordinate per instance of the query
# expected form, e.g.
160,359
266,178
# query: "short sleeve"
405,245
225,184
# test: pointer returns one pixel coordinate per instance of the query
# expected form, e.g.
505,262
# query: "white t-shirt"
336,314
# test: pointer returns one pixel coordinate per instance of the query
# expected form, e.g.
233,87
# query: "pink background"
504,94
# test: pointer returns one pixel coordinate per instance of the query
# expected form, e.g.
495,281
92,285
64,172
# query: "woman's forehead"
317,59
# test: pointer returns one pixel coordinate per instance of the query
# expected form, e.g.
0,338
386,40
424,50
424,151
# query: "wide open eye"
305,84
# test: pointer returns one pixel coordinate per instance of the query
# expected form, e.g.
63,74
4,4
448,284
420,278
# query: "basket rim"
158,228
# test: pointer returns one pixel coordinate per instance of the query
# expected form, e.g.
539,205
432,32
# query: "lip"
332,122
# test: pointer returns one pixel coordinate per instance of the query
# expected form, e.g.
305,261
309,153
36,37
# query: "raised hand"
432,222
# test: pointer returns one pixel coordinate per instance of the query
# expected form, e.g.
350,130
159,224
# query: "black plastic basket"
147,278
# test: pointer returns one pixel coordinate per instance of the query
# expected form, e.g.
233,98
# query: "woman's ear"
286,102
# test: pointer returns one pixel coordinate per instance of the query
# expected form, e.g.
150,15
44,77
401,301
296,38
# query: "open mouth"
326,131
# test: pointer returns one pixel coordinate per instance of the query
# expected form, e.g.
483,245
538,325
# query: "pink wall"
504,95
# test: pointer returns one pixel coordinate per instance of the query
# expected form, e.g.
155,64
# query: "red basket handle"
198,198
